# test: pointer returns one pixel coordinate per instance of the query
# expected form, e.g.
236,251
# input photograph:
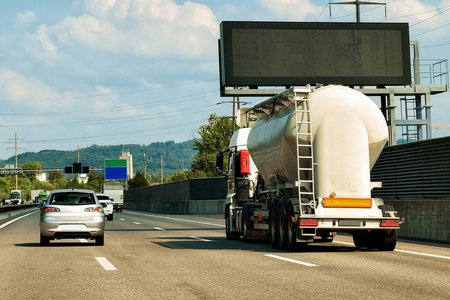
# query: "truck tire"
291,232
230,235
386,240
361,239
273,230
245,225
282,229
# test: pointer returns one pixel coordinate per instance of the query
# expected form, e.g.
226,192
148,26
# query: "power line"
110,94
116,108
430,30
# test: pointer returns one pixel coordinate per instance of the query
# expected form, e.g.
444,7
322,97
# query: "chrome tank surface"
348,131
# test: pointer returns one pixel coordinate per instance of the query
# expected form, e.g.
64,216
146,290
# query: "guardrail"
7,211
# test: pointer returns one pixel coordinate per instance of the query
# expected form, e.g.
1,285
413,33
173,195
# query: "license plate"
72,227
349,222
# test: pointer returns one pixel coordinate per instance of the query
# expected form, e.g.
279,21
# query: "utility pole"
15,147
145,168
357,3
162,176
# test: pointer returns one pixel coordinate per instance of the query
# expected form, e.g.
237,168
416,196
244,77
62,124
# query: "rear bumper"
59,230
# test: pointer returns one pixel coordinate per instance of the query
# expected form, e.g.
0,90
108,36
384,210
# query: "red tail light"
389,223
308,222
260,218
245,162
93,209
51,209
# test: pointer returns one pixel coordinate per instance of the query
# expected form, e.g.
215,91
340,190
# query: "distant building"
129,158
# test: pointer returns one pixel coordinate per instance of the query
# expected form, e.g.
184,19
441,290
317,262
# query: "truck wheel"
230,235
45,241
361,239
282,230
245,225
273,230
387,240
291,232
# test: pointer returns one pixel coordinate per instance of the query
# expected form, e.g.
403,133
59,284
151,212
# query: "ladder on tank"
305,155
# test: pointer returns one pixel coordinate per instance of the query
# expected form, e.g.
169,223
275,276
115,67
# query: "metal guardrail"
7,211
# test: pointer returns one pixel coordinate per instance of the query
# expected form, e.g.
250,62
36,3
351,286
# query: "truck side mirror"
219,163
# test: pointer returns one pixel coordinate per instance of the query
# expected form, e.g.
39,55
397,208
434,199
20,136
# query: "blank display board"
297,53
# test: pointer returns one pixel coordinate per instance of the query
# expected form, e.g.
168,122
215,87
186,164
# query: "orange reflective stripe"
347,202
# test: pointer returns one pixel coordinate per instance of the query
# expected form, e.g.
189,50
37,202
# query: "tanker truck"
301,173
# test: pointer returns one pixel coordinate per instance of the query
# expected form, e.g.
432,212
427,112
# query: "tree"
34,167
216,137
137,181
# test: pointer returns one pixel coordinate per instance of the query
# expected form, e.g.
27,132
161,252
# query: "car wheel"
100,241
45,241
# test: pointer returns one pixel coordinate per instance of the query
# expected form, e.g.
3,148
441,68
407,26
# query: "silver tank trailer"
348,132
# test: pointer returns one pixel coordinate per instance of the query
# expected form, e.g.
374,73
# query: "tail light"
93,209
308,222
390,223
51,209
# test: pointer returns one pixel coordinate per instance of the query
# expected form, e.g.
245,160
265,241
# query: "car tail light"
389,223
51,209
308,222
93,209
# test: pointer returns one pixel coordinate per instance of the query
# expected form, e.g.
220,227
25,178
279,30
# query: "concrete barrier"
427,220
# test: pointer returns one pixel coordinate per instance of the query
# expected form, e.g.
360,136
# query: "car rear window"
72,199
102,197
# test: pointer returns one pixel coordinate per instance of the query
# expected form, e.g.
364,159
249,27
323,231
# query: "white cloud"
26,18
294,10
149,28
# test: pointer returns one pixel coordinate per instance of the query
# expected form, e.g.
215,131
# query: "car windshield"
72,198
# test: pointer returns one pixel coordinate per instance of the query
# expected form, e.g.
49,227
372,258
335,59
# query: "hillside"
176,156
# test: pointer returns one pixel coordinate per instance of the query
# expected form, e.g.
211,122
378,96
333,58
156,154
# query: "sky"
108,72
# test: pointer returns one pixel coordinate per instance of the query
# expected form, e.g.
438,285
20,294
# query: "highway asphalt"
160,256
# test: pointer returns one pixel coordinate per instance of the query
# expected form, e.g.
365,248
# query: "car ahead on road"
107,205
69,214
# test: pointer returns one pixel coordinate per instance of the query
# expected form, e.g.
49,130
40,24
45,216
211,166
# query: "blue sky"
77,73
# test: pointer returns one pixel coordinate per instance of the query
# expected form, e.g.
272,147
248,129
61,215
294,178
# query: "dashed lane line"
106,264
200,239
292,260
158,228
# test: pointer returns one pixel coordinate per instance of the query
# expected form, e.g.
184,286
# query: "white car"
107,205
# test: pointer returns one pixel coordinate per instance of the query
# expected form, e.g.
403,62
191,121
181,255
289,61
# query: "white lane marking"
137,223
157,228
404,251
16,219
84,240
292,260
121,219
106,264
345,243
424,254
175,219
200,239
